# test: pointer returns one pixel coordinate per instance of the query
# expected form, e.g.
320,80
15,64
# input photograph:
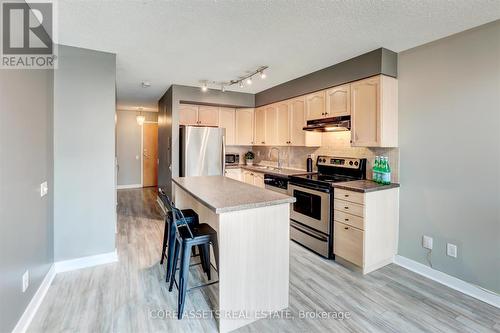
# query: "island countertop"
221,194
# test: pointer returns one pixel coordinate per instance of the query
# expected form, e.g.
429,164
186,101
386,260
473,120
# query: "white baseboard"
79,263
28,315
481,294
124,187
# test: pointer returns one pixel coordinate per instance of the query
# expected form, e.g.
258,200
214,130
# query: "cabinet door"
315,105
260,126
258,180
297,108
227,120
233,174
188,114
283,126
365,104
338,101
348,243
271,136
248,177
208,115
245,127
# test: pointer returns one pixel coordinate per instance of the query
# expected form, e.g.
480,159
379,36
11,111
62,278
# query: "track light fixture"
247,78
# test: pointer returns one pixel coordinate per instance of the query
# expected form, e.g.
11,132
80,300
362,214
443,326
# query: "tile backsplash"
334,144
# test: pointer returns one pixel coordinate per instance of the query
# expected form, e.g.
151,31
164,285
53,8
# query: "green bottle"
387,171
376,170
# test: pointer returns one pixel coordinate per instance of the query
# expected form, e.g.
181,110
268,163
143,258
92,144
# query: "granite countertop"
222,194
363,186
270,170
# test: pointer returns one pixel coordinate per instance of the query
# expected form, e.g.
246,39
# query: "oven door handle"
310,187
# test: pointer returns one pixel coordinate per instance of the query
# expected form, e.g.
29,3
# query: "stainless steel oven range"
311,215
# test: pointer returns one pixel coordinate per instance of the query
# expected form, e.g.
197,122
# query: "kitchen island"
252,227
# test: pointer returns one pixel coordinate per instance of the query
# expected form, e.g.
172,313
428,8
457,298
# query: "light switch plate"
44,189
451,250
427,242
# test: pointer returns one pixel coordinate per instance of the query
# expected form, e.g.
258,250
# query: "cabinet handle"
322,113
346,195
346,207
326,113
346,228
346,219
262,142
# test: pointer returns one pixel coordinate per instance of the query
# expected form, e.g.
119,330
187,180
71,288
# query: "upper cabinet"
338,101
260,126
271,125
198,115
244,127
283,123
374,110
297,121
208,115
227,120
316,105
188,114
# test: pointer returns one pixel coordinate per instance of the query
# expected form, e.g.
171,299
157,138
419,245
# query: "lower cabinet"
253,178
233,174
365,227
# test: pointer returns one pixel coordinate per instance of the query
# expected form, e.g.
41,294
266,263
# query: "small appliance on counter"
232,159
311,223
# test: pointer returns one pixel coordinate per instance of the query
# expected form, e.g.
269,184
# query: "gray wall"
379,61
169,121
128,145
449,134
26,227
84,150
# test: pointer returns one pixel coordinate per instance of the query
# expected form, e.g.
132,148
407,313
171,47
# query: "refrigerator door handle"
223,157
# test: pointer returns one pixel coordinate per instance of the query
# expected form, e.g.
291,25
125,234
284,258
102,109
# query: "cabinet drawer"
348,243
355,197
348,207
352,220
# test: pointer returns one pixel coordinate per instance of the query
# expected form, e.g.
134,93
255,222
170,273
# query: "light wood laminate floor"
128,296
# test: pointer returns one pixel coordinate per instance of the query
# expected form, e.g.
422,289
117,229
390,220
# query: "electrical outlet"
26,280
44,189
427,242
451,250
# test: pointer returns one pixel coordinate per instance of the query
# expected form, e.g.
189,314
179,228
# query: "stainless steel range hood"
333,124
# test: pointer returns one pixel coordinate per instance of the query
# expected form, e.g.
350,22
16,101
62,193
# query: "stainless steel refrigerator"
202,151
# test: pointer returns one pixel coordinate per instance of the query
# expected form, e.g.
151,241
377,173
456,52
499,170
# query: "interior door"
150,155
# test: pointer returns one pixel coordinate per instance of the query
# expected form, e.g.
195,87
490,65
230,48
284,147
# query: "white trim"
84,262
142,155
124,187
30,311
481,294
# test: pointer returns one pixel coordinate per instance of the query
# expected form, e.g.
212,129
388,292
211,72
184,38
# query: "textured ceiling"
183,42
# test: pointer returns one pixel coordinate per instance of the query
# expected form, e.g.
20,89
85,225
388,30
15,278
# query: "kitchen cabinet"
338,101
271,125
283,125
315,105
374,112
366,227
227,120
253,178
245,126
198,115
235,174
260,126
188,114
208,115
297,121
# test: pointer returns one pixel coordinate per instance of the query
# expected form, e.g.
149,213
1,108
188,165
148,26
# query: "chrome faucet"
279,154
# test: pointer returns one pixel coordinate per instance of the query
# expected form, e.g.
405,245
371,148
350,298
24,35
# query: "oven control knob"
356,163
350,162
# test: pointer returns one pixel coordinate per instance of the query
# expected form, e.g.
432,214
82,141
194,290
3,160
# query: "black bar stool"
186,237
169,236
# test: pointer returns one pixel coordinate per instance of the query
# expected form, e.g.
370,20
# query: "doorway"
149,154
